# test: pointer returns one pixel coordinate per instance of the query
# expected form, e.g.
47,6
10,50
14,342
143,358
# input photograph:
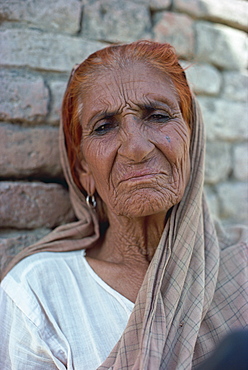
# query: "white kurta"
56,313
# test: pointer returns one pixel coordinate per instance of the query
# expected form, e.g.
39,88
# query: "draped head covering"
195,289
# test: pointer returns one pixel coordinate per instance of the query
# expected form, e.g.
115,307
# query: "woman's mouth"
138,176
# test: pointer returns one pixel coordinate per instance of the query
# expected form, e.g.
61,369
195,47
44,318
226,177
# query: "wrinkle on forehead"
125,89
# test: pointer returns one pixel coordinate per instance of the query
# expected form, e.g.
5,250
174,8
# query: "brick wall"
39,44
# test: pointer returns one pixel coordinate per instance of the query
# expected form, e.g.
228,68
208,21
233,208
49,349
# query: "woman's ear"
86,178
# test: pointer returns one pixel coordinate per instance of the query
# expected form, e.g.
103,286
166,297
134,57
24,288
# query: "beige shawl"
194,290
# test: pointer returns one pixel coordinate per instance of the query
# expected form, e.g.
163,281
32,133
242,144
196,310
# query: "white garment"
56,313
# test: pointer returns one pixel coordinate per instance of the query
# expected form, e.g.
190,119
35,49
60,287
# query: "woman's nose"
135,144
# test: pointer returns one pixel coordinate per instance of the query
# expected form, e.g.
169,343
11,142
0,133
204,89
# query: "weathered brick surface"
29,152
221,45
235,86
118,21
177,29
23,97
233,13
57,89
240,162
25,205
41,50
12,242
213,201
56,15
160,4
224,120
203,78
233,201
218,162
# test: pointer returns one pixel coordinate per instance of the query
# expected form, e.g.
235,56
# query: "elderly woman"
143,279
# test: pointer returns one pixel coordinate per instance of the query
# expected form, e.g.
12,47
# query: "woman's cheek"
178,145
99,156
175,146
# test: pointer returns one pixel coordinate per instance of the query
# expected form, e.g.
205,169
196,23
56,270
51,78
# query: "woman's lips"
138,175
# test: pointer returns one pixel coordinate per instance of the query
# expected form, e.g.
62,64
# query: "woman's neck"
121,259
131,240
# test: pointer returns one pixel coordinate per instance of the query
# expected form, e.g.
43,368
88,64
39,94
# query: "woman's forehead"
131,72
135,84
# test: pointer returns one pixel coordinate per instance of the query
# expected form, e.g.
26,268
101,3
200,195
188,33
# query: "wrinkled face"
135,143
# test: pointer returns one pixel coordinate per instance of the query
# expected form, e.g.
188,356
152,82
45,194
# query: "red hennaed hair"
152,54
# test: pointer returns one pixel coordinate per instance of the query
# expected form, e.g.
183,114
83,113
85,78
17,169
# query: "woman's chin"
136,207
144,213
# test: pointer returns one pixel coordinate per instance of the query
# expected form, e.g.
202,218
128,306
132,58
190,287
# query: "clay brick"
240,159
30,205
177,29
116,21
235,86
13,242
218,162
224,120
221,45
204,78
57,89
29,152
212,199
56,15
233,201
160,4
232,13
23,97
40,50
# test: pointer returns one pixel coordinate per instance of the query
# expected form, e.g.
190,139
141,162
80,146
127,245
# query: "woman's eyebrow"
153,105
161,101
148,104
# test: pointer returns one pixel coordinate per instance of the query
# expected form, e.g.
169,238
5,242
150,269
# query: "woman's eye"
159,117
104,128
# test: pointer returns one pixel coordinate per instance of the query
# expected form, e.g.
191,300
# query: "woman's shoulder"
44,264
231,237
233,241
41,274
50,283
39,283
233,274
